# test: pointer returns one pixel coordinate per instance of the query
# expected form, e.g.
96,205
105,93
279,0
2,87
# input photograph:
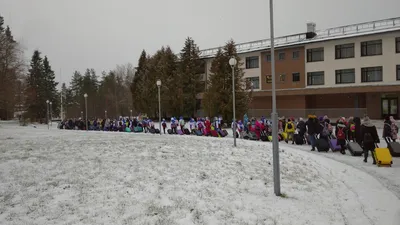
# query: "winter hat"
326,117
367,122
321,118
300,119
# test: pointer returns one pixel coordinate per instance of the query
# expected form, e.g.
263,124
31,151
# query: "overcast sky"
99,34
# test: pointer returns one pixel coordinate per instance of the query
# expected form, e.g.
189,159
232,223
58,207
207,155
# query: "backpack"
330,128
325,131
368,138
340,134
290,126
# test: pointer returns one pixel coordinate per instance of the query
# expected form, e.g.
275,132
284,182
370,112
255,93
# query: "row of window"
343,76
252,62
348,76
345,51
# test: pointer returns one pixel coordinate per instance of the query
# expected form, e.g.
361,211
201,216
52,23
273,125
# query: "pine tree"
137,86
9,36
191,69
1,24
218,97
36,93
76,87
50,87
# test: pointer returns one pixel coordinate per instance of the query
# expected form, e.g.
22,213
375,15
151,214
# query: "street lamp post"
159,104
232,63
131,113
252,105
47,113
82,115
51,113
85,95
105,114
274,115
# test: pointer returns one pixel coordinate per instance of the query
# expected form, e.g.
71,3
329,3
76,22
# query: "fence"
330,112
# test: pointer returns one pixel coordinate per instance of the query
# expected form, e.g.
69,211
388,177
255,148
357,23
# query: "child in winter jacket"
289,130
394,128
164,125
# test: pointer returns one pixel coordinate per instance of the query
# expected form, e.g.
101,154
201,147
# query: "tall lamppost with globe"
232,63
51,113
47,113
159,104
86,95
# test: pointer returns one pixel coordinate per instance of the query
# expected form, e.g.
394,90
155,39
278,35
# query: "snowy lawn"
79,177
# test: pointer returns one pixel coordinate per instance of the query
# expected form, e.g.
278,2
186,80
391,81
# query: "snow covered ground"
78,177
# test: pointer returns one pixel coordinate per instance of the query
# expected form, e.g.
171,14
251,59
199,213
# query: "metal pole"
51,112
61,113
234,108
159,109
48,123
86,114
274,114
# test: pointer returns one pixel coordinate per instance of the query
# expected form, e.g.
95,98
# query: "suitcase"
383,157
152,131
138,129
394,148
127,129
298,139
186,131
263,136
355,149
157,131
223,133
198,132
214,133
250,136
334,146
193,131
322,145
180,132
169,131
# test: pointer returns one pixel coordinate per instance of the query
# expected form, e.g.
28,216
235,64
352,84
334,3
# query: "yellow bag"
383,157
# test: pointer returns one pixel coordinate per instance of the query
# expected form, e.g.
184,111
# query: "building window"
398,72
268,58
344,51
346,76
281,56
371,74
315,78
268,79
282,77
255,81
370,48
296,55
252,62
296,77
315,54
398,45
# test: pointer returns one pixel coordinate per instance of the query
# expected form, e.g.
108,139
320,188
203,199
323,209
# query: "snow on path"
78,177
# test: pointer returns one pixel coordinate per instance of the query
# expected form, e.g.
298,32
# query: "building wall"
389,59
285,67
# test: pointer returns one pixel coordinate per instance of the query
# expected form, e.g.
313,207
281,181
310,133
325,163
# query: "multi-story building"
343,71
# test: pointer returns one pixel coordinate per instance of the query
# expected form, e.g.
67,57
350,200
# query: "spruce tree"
218,97
191,69
50,86
36,93
137,86
9,36
1,24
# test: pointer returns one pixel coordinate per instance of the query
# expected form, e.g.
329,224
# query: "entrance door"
389,107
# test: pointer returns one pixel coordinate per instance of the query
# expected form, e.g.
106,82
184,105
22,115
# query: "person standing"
370,138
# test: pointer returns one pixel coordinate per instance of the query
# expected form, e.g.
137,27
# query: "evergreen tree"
76,88
50,87
36,93
218,97
137,86
9,36
191,68
1,24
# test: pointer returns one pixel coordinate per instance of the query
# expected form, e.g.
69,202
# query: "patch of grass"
283,195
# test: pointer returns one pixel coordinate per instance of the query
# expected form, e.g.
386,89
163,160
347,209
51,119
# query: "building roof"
354,30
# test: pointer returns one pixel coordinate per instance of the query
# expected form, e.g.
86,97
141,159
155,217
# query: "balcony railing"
336,32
